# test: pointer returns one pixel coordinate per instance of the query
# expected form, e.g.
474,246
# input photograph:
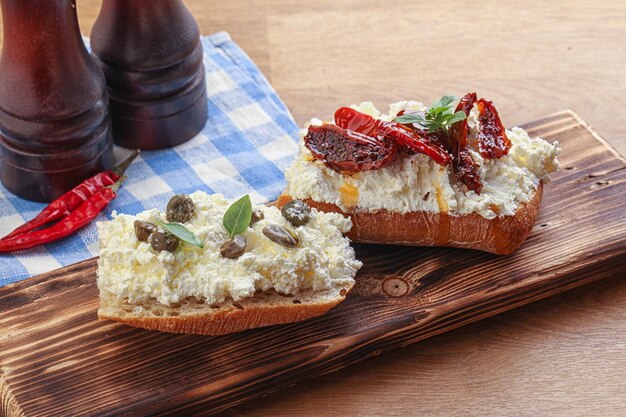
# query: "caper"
282,235
257,215
297,212
163,241
234,248
143,230
179,209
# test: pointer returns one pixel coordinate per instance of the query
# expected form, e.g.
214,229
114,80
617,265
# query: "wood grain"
562,356
56,358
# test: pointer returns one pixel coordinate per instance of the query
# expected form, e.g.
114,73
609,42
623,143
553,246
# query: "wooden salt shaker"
151,54
54,120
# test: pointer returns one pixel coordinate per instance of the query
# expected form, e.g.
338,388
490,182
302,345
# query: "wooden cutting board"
57,358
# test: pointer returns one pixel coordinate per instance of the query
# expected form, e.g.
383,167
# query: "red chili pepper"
81,216
413,139
69,201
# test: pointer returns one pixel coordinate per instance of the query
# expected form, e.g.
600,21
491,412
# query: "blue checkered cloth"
248,141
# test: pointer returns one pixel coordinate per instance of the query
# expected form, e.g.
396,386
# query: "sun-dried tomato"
442,140
466,170
348,151
466,104
464,167
412,139
360,142
492,139
356,121
417,141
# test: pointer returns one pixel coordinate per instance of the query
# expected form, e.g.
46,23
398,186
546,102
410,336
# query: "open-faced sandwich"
208,267
435,176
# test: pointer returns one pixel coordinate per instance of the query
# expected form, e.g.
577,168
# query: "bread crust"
222,318
502,235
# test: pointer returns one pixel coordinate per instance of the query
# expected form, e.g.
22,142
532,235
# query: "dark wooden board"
56,358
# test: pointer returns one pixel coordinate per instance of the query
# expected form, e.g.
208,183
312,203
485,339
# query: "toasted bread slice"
502,235
192,316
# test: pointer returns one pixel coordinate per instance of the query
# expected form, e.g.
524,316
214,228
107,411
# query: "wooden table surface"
562,356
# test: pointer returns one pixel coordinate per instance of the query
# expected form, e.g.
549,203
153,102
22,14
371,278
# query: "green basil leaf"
444,101
456,117
432,128
237,217
181,232
409,118
439,116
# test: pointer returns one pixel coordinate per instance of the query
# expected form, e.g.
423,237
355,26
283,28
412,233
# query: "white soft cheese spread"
417,183
133,271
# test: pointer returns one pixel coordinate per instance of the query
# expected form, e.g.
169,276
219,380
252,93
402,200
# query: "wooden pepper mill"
54,121
151,55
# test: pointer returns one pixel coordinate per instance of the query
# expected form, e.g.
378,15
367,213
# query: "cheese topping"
132,270
417,183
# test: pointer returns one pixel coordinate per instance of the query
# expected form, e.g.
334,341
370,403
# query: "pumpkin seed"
234,248
257,216
297,212
179,209
282,235
161,241
143,230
